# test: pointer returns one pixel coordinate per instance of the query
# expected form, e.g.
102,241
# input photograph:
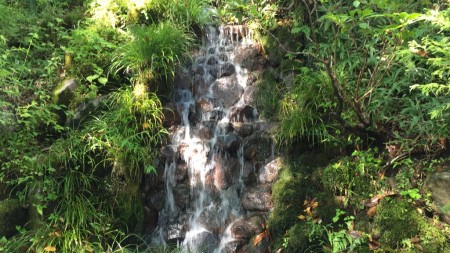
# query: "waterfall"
206,172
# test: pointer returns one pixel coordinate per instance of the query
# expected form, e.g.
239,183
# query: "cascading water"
204,176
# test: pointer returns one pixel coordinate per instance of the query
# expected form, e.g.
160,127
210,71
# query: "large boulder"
250,57
248,227
12,214
205,242
222,70
439,186
258,198
258,148
65,92
269,172
227,91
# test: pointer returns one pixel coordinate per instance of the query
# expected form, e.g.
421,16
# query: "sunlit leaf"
50,248
260,237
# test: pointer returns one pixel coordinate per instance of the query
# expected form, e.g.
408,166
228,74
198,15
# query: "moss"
398,222
302,237
12,214
267,96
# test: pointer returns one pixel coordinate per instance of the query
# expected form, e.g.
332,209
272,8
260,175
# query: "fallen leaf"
301,217
50,248
372,211
415,239
260,237
373,245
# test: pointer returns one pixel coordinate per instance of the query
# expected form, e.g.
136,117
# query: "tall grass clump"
152,52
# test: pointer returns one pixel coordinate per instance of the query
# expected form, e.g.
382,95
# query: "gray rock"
227,91
250,57
439,185
243,129
171,116
181,195
269,172
222,70
258,148
248,227
257,198
204,242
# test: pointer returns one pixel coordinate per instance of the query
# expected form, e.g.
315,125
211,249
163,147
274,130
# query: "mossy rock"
398,222
12,214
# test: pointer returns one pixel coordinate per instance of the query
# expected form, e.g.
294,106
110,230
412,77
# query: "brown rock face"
258,148
246,228
250,57
227,91
258,198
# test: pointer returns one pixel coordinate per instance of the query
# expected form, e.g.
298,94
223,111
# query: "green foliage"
302,108
354,177
152,52
62,174
398,222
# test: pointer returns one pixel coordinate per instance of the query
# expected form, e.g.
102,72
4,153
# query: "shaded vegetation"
359,89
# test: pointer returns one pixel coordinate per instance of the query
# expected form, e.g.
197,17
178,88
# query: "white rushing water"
203,223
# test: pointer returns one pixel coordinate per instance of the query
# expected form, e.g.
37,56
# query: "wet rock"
229,143
262,247
175,233
269,172
234,246
167,153
257,198
258,148
225,171
227,91
150,219
235,32
222,70
205,133
171,116
439,185
254,76
249,94
250,57
213,219
181,171
157,200
182,80
201,88
204,242
242,114
198,70
243,129
204,105
249,175
212,60
181,194
246,228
